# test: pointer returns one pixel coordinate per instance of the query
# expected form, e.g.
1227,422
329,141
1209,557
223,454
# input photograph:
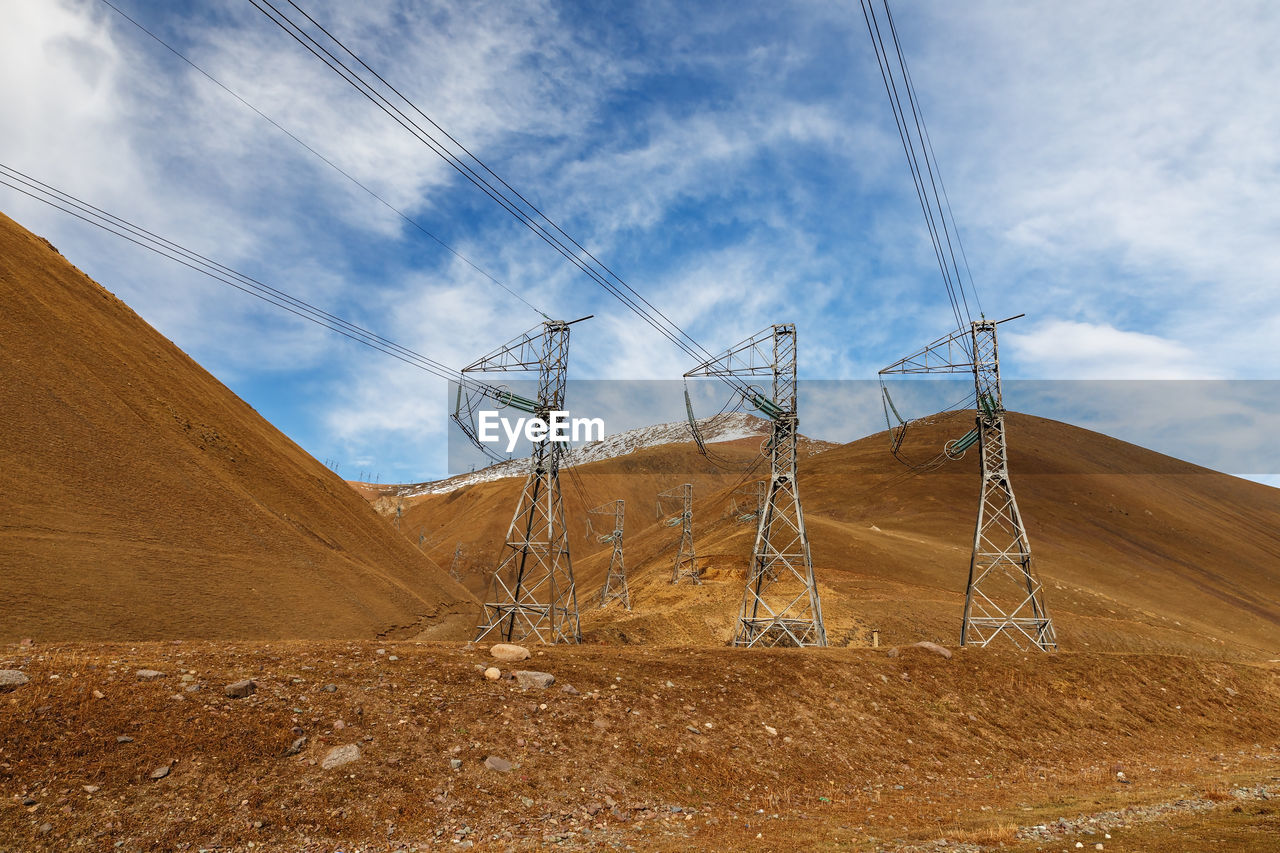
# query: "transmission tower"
781,605
615,584
1003,595
755,490
532,594
453,564
686,564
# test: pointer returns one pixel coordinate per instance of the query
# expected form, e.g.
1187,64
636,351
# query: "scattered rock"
892,653
124,739
46,828
693,730
296,746
339,725
90,789
241,689
493,762
528,678
340,755
29,801
455,763
935,648
507,651
149,674
98,694
12,679
771,730
160,772
331,688
568,688
493,673
192,688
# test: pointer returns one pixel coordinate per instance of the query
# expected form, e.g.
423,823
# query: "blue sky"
1112,168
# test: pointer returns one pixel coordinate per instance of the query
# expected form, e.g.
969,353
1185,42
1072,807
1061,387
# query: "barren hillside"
141,498
1138,551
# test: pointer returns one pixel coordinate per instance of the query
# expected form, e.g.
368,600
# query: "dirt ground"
633,748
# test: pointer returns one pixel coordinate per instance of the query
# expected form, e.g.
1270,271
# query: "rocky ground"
404,746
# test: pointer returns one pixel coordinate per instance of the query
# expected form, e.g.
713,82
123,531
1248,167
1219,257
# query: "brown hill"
1137,551
141,498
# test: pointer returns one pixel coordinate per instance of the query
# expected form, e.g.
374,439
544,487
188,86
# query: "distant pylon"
686,564
758,491
615,583
1003,596
453,564
532,595
781,605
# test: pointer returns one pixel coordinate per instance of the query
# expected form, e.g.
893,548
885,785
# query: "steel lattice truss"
755,493
615,583
781,605
686,564
532,594
1003,596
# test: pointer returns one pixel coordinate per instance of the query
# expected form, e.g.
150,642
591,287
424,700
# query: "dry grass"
998,834
850,731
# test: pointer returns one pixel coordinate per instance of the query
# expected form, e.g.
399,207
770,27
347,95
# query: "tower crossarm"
759,355
951,353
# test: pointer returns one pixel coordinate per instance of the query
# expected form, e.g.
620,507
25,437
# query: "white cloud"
1062,349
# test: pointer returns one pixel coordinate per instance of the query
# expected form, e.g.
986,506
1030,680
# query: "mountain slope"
140,498
1137,551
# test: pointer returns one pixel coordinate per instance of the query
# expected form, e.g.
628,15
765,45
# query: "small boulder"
493,673
935,648
12,679
528,678
507,651
149,674
493,762
241,689
340,755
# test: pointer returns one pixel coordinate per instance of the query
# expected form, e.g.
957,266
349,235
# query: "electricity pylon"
615,583
1003,595
756,489
453,564
532,594
781,605
686,564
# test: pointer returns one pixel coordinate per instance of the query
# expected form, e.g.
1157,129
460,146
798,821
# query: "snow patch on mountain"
730,426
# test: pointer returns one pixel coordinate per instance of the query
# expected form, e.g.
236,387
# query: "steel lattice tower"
781,605
686,564
615,583
1003,596
532,594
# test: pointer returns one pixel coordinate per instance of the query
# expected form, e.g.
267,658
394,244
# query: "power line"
926,178
473,169
82,210
326,160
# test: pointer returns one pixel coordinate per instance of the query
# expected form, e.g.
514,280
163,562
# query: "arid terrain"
143,500
162,545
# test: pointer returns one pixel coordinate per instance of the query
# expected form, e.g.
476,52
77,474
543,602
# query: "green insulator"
764,404
515,401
